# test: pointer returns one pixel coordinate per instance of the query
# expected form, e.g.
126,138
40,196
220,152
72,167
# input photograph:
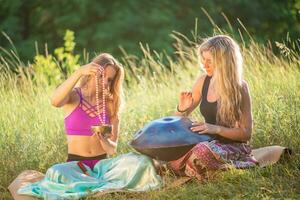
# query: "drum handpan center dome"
167,138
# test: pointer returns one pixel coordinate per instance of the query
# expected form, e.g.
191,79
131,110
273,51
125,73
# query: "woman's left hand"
101,137
202,127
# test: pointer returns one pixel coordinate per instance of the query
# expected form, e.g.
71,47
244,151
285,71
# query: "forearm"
109,146
237,134
187,112
181,114
63,91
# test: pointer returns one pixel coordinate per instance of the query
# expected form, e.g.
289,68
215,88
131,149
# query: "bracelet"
181,111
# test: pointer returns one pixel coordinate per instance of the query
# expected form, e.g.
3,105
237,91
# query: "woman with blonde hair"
225,103
78,96
87,171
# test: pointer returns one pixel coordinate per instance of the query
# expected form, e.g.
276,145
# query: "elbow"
247,138
112,152
55,103
247,135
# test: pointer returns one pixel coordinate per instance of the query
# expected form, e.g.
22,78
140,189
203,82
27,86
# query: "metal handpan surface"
167,138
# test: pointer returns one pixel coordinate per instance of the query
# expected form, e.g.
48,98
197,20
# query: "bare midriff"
88,146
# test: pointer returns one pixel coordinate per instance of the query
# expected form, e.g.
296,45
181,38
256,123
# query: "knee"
204,157
56,167
57,170
144,161
202,149
53,170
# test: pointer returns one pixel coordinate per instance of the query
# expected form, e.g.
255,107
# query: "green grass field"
32,132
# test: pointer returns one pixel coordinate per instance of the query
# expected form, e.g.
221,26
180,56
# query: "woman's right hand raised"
185,101
90,69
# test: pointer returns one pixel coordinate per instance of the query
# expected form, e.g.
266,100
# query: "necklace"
102,128
103,118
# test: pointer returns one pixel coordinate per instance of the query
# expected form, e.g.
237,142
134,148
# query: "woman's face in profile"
109,76
207,61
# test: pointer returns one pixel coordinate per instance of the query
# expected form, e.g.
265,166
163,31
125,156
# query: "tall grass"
32,132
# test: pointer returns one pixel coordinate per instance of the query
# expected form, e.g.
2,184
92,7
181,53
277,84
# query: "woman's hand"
100,137
90,69
185,101
106,142
202,127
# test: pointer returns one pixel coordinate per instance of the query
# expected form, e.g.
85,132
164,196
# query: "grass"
32,132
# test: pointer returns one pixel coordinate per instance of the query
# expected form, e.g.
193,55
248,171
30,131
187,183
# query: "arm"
62,94
190,100
241,132
110,144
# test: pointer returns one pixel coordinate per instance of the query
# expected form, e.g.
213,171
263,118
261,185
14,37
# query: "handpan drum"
167,138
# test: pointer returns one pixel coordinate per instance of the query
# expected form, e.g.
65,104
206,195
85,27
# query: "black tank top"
208,109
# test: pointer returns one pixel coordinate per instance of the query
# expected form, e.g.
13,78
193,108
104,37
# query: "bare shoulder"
201,78
199,81
245,87
197,88
74,97
73,101
245,93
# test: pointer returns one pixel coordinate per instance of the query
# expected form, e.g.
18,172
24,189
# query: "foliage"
56,68
103,26
32,135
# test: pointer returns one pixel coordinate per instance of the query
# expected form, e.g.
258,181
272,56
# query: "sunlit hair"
116,90
227,77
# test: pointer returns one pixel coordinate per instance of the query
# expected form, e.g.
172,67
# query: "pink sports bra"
79,122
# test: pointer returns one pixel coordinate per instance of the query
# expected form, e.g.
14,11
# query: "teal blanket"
131,172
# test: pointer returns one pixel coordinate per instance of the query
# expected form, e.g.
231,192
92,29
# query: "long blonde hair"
227,77
116,91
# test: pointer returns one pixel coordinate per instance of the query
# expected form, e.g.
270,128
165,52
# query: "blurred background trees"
105,26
